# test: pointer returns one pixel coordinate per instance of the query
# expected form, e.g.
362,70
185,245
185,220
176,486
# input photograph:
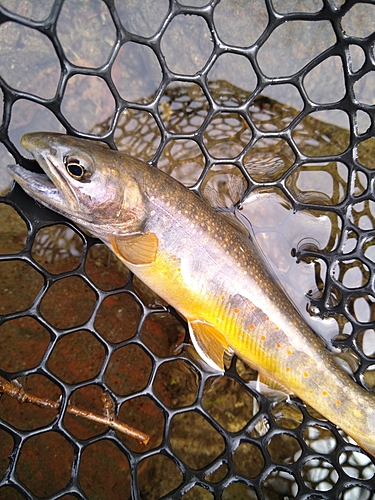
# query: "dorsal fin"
236,189
212,197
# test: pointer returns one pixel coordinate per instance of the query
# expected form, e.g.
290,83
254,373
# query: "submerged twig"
17,392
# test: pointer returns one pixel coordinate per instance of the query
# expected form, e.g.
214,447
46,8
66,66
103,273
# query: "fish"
201,264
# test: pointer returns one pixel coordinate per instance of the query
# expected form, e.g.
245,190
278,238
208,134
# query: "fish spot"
277,328
287,369
311,391
278,345
324,393
252,308
263,337
305,374
222,297
338,403
236,310
289,352
267,318
252,327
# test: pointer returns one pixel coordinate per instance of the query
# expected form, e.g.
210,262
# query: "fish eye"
76,169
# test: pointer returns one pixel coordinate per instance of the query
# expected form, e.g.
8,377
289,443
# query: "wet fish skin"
205,268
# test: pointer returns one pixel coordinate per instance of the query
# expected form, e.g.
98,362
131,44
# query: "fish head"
96,187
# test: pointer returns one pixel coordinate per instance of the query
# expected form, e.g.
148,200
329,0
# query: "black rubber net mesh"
271,104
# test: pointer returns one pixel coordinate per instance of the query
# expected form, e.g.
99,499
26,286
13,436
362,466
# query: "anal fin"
209,343
139,249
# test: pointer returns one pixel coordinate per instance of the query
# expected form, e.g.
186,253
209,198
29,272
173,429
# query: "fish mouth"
36,185
49,188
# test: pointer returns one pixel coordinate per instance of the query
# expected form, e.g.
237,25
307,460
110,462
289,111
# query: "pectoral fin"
139,249
209,343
